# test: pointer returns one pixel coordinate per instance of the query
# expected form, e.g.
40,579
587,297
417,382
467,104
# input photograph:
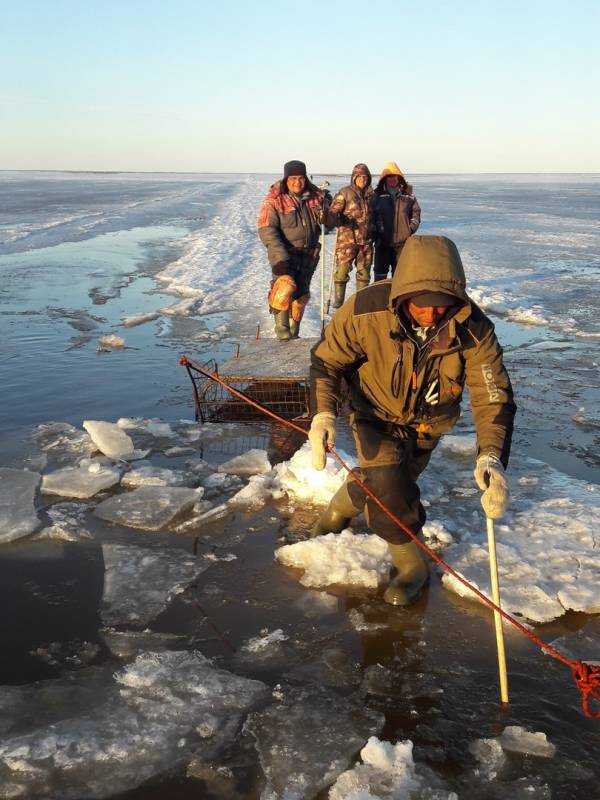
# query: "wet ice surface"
147,507
139,583
430,670
109,438
145,719
82,481
307,739
17,493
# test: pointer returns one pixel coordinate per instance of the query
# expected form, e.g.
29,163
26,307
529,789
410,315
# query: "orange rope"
586,676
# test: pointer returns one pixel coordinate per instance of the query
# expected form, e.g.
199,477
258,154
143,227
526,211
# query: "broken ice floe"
18,516
83,481
148,507
515,739
139,723
344,558
257,491
266,640
252,462
148,475
140,582
547,548
63,442
67,523
387,771
309,738
124,645
109,439
139,319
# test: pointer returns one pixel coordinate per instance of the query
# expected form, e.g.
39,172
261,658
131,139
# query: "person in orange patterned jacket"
289,225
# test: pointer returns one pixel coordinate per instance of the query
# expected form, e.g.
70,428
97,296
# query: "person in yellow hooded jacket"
397,217
406,348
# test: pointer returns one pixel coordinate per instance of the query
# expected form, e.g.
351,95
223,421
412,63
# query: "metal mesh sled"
268,373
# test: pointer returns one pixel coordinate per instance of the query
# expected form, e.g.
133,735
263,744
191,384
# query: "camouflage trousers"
348,253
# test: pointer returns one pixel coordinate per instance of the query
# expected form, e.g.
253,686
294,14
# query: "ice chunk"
259,489
298,477
490,756
159,429
253,462
515,739
112,341
387,771
308,739
62,441
140,582
345,558
259,643
83,481
125,645
17,513
147,475
148,507
67,523
178,450
464,446
98,734
109,438
139,319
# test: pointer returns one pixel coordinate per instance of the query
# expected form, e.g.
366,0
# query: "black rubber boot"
360,284
340,294
338,514
405,587
282,325
294,329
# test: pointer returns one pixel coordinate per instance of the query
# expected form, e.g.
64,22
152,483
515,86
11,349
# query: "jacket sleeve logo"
490,383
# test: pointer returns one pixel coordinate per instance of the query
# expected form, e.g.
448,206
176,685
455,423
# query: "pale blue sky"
507,86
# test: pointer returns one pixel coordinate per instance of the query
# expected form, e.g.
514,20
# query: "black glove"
281,268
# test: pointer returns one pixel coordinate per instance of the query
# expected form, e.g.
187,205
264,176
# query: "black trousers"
386,258
391,459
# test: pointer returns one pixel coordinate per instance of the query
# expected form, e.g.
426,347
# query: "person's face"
296,183
426,316
392,181
361,181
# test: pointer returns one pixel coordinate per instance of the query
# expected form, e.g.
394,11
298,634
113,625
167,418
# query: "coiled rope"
586,676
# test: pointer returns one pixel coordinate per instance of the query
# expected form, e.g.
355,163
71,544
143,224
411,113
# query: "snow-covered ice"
345,558
82,482
139,319
18,516
148,507
387,771
140,582
111,341
109,439
300,479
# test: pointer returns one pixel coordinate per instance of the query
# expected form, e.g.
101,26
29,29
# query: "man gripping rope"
406,348
289,225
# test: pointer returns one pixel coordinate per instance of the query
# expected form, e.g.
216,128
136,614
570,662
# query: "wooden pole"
322,275
332,271
497,616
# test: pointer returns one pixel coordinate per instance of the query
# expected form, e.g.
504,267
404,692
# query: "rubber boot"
361,284
404,588
338,513
282,325
294,329
340,294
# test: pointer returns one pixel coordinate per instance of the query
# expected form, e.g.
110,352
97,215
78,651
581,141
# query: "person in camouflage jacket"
289,225
406,349
398,216
353,214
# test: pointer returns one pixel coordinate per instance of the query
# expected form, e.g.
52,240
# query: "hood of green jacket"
430,264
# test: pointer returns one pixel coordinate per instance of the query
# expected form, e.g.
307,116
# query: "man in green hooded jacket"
406,347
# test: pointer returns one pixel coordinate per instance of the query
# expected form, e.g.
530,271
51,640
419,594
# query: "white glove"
321,436
489,476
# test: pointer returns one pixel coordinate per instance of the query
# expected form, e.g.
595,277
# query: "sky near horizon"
233,86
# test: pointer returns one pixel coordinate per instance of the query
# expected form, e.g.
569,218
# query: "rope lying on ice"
586,676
